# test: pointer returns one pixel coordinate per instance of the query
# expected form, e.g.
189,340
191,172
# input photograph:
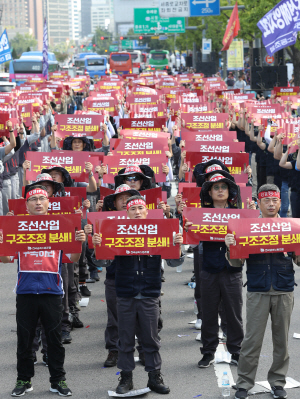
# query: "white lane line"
221,367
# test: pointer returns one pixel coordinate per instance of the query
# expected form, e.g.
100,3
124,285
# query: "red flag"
232,29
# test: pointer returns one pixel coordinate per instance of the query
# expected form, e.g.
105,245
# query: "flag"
232,29
5,52
45,51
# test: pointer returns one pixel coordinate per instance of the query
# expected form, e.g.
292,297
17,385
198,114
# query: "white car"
5,84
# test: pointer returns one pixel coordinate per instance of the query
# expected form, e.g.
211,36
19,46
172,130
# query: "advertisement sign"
235,56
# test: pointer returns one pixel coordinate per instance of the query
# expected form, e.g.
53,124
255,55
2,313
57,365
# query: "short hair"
36,186
268,187
135,197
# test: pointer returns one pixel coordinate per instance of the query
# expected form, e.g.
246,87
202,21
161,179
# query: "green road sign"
147,20
89,48
127,44
113,48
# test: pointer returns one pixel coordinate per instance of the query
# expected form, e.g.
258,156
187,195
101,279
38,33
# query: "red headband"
136,202
36,191
265,194
213,168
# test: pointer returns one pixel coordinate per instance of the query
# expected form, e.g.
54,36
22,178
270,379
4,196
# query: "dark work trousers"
198,260
76,281
72,287
111,332
295,204
143,313
227,287
83,271
39,332
65,323
91,265
48,308
261,175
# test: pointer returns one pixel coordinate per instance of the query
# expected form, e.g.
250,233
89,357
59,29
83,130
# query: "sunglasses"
222,187
132,178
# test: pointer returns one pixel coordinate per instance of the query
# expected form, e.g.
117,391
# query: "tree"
61,57
21,43
14,54
102,45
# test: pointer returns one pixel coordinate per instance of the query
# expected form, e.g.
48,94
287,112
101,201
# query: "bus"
137,60
95,65
159,59
30,65
79,63
120,63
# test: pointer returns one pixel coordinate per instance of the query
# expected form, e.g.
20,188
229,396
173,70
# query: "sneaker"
241,394
278,392
45,360
76,322
95,276
34,360
235,358
207,360
156,382
66,337
112,359
61,388
142,358
84,290
190,249
125,384
22,387
163,279
90,280
193,278
198,324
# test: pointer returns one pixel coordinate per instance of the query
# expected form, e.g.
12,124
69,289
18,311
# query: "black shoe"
125,384
34,360
85,291
241,394
90,280
156,382
190,249
235,358
76,322
142,358
278,392
95,276
45,360
22,387
111,359
163,279
66,337
77,307
193,279
207,360
61,388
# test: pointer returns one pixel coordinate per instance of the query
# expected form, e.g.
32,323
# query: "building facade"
75,19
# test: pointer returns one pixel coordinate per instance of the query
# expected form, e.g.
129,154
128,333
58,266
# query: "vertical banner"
5,52
45,50
235,55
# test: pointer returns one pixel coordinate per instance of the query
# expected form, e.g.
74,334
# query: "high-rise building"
100,14
58,21
36,13
15,17
86,18
75,19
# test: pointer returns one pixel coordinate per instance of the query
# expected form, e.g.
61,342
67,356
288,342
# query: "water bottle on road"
192,285
225,386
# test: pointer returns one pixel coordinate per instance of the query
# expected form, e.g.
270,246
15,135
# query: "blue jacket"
266,270
140,274
214,260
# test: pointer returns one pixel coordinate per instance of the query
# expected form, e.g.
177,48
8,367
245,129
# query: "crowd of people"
235,151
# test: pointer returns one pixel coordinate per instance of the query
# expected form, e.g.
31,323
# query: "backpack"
230,82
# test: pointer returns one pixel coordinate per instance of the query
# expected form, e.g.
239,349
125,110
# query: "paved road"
85,356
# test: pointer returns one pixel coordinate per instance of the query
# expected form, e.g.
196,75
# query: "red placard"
286,91
220,136
205,121
224,93
142,99
137,237
116,162
211,224
101,105
4,117
152,124
143,134
78,126
72,161
36,102
127,146
182,185
49,232
57,206
264,235
211,146
148,110
25,111
197,108
234,162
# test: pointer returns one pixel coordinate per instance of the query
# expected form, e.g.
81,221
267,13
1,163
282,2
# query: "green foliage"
22,43
14,54
101,45
61,57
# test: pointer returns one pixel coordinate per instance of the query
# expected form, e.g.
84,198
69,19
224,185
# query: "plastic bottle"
225,386
192,285
195,307
179,269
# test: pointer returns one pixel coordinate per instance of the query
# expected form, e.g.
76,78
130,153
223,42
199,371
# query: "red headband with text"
36,192
266,194
136,202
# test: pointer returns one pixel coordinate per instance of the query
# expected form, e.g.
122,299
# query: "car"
5,84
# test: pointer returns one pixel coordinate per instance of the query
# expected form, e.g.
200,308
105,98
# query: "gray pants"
142,314
21,174
111,331
14,179
254,175
259,306
227,287
6,195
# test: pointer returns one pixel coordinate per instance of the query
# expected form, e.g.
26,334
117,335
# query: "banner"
143,134
30,233
286,91
235,56
140,99
211,224
127,146
200,108
232,29
220,136
5,52
101,105
83,125
265,235
72,161
117,162
280,25
152,124
210,146
148,110
206,121
57,206
137,237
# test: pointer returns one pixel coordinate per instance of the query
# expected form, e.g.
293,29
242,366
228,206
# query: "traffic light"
121,37
81,46
141,37
72,46
94,45
102,37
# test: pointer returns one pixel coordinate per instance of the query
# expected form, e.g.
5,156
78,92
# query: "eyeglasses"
36,199
132,178
222,187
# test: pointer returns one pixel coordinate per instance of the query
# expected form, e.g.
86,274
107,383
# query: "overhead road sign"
147,20
189,8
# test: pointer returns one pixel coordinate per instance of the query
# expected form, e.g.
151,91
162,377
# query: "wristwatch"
91,174
10,131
